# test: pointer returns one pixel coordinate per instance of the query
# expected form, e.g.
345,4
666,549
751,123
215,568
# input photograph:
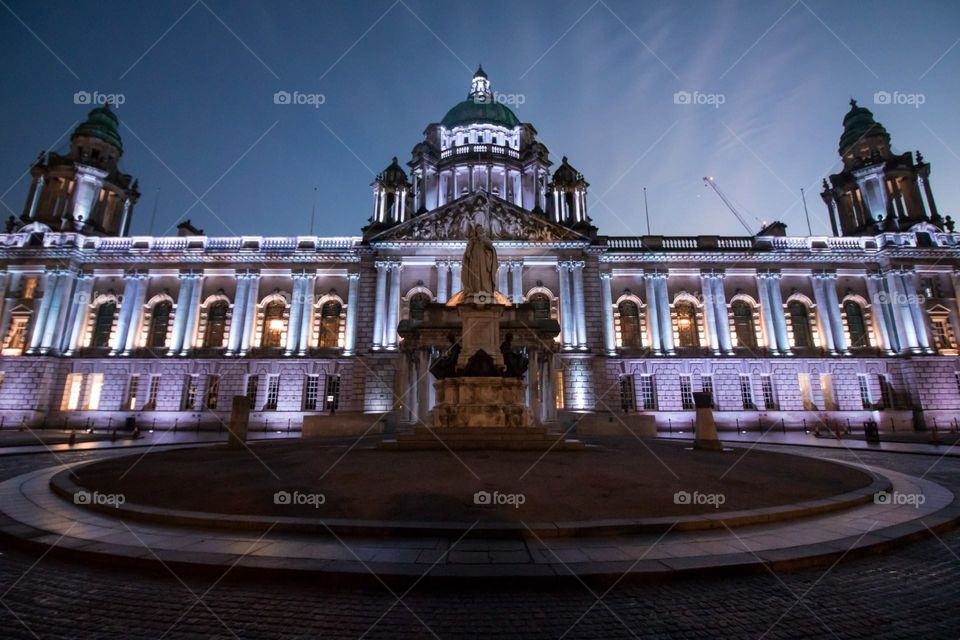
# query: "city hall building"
98,324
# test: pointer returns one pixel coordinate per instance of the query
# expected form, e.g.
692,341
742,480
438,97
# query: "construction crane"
710,182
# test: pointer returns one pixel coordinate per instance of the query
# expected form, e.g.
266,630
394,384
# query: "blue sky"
597,80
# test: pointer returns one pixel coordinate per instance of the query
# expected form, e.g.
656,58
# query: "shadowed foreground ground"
624,479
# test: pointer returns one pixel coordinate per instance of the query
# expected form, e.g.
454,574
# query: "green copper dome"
101,123
859,124
480,107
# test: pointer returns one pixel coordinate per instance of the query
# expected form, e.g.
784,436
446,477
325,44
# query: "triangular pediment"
500,219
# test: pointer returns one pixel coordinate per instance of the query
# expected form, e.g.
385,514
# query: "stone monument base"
480,402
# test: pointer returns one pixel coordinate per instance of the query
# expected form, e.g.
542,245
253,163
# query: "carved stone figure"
479,271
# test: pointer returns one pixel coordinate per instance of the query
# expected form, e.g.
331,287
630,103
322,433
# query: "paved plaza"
908,592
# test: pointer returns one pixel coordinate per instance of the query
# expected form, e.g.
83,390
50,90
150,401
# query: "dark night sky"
597,79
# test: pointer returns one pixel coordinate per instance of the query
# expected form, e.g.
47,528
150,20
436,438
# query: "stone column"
777,318
296,309
4,280
502,285
443,271
193,315
130,288
916,310
580,308
181,313
393,310
663,307
308,291
653,316
766,311
353,302
567,323
881,313
380,307
720,310
50,280
81,304
902,319
57,318
517,285
606,299
830,289
706,288
236,320
824,317
455,283
250,313
136,314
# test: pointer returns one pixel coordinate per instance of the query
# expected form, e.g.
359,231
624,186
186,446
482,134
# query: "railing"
493,149
176,244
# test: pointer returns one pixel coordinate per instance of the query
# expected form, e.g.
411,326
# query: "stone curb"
64,486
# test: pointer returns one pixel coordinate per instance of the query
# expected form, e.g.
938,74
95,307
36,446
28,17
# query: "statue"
445,366
515,362
479,272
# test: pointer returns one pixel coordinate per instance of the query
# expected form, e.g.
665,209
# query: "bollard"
669,425
848,426
288,426
175,422
836,430
934,438
893,425
783,426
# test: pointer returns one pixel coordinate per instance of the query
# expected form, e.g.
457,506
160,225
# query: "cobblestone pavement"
912,592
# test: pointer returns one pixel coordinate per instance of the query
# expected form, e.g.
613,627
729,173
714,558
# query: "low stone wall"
609,424
343,424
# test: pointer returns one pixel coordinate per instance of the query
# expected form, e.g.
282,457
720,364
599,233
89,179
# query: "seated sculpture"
515,362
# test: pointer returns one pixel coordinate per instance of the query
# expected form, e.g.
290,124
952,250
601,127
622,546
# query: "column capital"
353,275
382,264
824,274
606,275
772,274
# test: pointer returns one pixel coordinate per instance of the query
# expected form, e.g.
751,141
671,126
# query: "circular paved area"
908,593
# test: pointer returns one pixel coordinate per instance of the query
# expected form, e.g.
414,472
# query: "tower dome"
859,125
102,124
480,107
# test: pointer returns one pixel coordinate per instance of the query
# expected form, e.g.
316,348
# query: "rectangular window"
132,385
886,391
558,389
213,392
189,396
332,393
310,388
806,392
865,401
153,393
826,384
16,338
647,393
94,389
941,334
628,394
746,391
273,392
29,287
769,392
686,392
71,392
253,386
706,385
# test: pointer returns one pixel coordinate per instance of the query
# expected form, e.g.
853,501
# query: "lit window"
132,392
71,392
687,325
686,392
558,389
746,391
826,385
310,391
647,393
856,326
332,393
806,392
329,333
799,324
159,321
630,335
216,325
273,393
16,339
743,325
94,389
189,396
865,400
273,324
29,287
152,393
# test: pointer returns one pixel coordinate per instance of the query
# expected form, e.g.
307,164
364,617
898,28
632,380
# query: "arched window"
418,303
273,324
216,324
743,324
541,306
159,320
800,322
856,327
103,324
630,324
329,337
687,324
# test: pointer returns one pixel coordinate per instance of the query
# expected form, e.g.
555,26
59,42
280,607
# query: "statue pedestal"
478,402
481,330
